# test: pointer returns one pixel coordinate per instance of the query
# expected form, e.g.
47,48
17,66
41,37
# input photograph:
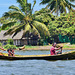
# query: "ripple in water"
37,67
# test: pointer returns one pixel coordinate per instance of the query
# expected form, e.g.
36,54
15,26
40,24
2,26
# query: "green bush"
10,41
8,46
40,42
0,44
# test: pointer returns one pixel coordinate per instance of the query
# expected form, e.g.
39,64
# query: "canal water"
37,67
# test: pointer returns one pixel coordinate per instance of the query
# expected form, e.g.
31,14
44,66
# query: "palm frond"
23,5
70,4
14,29
44,1
63,7
58,5
34,4
51,2
9,24
41,28
26,29
14,8
42,11
14,14
35,31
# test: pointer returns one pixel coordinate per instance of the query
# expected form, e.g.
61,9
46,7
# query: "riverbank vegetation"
66,46
58,17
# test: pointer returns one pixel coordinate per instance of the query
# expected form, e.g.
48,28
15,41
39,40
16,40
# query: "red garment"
52,51
12,51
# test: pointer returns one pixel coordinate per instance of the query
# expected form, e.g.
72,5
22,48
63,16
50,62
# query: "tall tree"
22,19
58,5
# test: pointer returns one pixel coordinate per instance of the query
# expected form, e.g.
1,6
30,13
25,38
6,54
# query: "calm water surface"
37,67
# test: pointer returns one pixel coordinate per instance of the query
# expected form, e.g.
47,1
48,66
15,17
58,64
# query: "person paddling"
53,49
11,52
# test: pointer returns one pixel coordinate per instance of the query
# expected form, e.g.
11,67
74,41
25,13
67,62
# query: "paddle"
60,47
61,50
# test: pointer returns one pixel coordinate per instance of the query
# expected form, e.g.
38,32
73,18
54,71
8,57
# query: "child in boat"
12,52
53,49
9,52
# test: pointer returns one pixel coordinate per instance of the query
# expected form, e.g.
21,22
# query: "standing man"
53,49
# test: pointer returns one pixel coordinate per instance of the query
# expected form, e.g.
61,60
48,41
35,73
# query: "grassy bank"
47,47
72,46
66,46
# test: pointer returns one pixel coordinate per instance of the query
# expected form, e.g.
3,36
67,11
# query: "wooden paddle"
61,50
59,46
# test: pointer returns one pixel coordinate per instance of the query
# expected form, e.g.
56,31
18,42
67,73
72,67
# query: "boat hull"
64,56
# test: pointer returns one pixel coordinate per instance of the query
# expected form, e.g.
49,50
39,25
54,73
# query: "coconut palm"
58,5
22,19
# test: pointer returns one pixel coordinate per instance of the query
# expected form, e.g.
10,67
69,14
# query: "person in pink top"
53,49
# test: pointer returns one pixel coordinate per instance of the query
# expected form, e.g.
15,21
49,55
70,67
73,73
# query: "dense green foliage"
40,42
44,16
65,25
0,44
10,41
8,46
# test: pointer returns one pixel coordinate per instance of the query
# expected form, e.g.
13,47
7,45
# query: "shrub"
40,42
0,44
10,41
8,46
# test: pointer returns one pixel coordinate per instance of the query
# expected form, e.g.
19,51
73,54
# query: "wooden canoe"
64,56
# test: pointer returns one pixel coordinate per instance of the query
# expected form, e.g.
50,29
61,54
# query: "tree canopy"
65,24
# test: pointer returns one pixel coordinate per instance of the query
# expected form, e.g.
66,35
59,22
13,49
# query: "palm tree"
44,16
58,5
22,19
